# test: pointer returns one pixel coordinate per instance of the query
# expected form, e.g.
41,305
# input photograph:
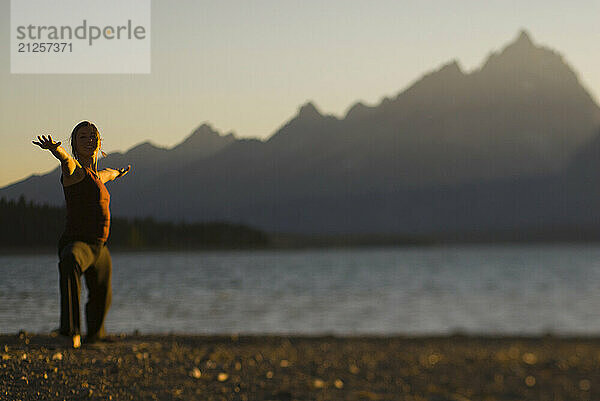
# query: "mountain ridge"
494,137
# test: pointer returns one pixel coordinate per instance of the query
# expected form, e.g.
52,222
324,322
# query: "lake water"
423,290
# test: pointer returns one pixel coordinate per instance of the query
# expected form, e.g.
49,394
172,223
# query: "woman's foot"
76,341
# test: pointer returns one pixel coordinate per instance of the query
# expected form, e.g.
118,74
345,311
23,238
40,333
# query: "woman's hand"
109,174
46,143
123,171
68,164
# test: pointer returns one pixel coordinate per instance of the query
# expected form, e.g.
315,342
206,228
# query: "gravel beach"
197,367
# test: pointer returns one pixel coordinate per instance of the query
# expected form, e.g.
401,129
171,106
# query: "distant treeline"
25,224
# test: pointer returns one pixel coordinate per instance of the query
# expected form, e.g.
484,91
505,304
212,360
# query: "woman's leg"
98,282
75,258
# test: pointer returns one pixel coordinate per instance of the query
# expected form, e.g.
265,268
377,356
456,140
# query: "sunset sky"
246,66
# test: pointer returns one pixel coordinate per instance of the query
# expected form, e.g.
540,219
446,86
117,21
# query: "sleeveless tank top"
88,213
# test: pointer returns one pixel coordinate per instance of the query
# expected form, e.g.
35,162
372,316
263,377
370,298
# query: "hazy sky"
246,66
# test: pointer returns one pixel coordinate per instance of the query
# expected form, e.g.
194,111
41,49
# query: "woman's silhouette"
82,248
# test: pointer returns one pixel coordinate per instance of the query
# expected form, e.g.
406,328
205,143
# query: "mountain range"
513,144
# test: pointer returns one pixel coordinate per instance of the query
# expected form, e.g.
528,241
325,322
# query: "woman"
82,248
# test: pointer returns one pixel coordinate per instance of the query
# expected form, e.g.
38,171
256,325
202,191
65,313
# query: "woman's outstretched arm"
68,164
109,174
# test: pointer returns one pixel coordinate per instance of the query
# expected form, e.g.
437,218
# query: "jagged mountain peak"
308,111
203,135
522,54
300,125
144,147
447,75
358,110
523,39
202,142
522,45
205,129
453,67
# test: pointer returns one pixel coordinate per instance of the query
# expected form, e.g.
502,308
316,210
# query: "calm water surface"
434,290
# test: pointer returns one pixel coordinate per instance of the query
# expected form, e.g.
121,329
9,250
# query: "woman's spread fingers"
46,142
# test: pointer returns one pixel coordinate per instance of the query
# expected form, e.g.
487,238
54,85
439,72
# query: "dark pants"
94,262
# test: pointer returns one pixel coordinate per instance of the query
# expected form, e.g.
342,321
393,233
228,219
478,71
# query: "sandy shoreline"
197,367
